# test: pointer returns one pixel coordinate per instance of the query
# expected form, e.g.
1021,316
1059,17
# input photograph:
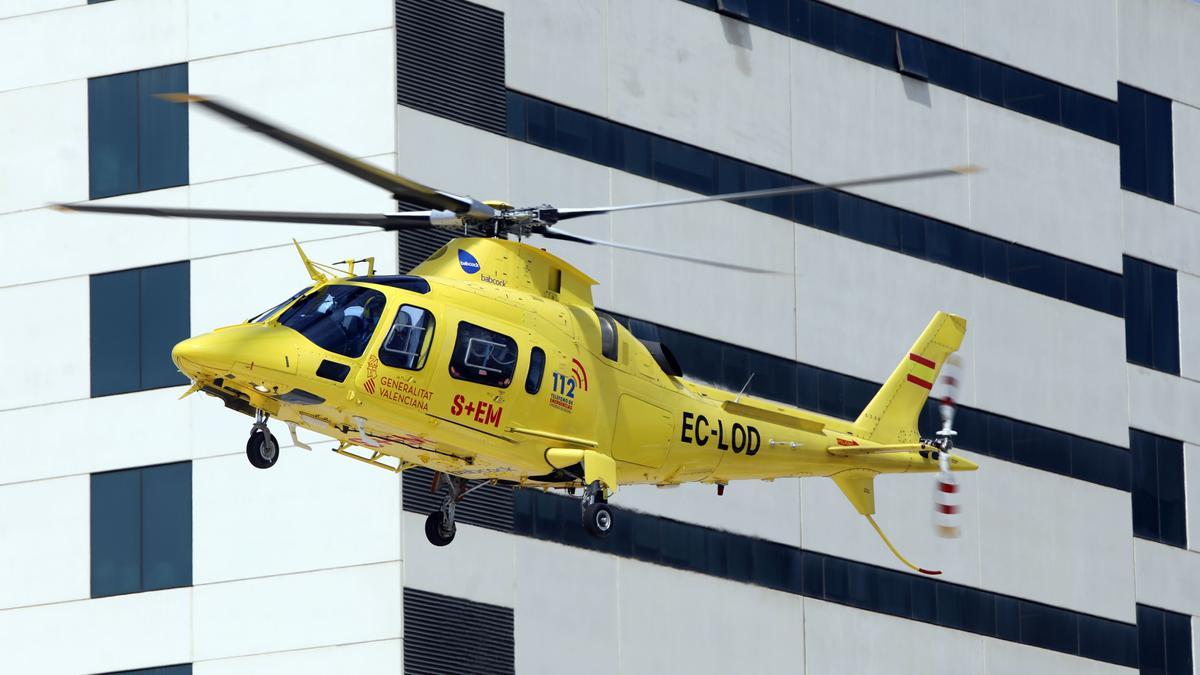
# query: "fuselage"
478,373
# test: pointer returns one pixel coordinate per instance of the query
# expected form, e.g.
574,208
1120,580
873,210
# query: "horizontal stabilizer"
780,417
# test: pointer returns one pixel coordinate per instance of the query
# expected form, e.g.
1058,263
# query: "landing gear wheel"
597,519
438,529
262,449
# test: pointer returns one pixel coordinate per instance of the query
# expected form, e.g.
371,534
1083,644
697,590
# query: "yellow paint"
625,420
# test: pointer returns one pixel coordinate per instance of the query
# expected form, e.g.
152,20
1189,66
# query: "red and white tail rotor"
947,510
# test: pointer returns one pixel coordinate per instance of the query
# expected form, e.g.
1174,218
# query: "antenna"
739,396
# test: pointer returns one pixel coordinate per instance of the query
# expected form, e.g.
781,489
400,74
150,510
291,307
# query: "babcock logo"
467,262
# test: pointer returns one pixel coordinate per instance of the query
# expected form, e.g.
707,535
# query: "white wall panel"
845,640
139,630
431,150
578,29
1045,187
691,51
851,119
1191,486
1161,233
45,527
91,40
46,354
667,615
1166,576
549,632
310,188
1070,41
1027,356
477,566
1157,44
366,658
1185,129
305,513
1009,658
99,434
44,133
1164,404
1189,325
331,607
13,8
336,91
227,26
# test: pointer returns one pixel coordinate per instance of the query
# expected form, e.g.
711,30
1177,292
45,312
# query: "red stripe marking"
948,487
949,509
916,380
921,360
922,570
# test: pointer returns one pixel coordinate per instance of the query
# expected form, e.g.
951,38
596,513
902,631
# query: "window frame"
453,361
423,349
610,337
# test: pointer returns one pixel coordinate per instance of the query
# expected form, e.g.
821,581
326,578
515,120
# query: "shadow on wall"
737,33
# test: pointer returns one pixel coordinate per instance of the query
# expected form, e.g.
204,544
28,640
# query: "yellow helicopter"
490,364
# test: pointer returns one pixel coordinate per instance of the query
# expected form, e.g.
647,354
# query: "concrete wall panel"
1164,404
467,569
45,141
1160,570
45,528
228,26
1161,233
1185,129
365,658
1157,39
46,355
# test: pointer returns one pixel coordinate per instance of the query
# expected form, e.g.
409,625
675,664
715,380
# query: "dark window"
1151,316
407,343
137,317
910,53
483,356
271,312
427,81
537,368
1147,165
339,318
734,8
141,529
136,141
445,634
609,336
1159,512
1164,641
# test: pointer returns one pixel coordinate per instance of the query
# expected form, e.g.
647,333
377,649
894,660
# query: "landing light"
261,389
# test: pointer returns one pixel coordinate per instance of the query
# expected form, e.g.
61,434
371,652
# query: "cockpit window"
407,344
483,356
271,312
338,318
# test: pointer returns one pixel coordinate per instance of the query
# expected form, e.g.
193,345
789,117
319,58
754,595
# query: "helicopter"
489,364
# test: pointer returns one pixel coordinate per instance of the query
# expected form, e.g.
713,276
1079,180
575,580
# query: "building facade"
135,535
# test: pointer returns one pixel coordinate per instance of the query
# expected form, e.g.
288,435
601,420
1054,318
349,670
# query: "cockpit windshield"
271,312
338,318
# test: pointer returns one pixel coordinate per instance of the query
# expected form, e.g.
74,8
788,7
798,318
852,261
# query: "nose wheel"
262,449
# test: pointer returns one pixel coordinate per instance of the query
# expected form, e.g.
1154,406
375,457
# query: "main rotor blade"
389,221
580,239
403,188
564,214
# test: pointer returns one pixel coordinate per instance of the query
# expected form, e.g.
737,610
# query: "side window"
537,368
407,343
483,356
608,336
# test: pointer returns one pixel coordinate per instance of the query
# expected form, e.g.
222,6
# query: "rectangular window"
181,669
1159,511
137,317
910,54
136,141
407,344
1151,315
141,529
1164,641
1144,122
483,356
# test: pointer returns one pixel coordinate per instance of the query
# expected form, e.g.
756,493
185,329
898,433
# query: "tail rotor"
947,511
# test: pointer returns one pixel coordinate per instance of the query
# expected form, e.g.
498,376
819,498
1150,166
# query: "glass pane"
167,526
166,320
516,116
1131,105
1032,95
1049,627
1165,328
1160,175
1152,657
271,312
407,343
1172,512
112,135
116,533
911,52
163,128
1139,324
1177,636
338,318
684,166
115,341
537,368
483,356
1145,484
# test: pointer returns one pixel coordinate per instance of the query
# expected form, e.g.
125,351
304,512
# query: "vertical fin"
891,417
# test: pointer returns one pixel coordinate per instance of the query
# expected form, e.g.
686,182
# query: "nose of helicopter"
202,353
